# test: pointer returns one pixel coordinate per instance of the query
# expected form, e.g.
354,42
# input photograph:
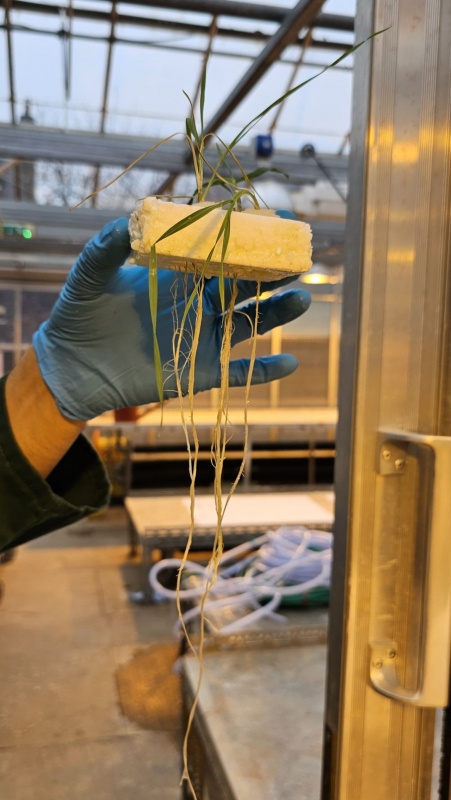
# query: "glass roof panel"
174,15
251,25
5,113
92,5
146,90
148,77
320,110
88,70
90,28
35,21
328,35
38,74
284,4
345,7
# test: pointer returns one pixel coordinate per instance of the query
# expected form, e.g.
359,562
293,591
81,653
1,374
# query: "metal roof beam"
243,10
106,87
329,21
35,143
228,8
313,44
60,234
12,100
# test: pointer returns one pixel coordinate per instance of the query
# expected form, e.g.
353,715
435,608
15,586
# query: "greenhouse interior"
225,445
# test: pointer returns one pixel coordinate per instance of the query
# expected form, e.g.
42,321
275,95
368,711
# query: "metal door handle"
435,626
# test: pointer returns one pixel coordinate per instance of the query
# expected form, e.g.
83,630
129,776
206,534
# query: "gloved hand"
95,352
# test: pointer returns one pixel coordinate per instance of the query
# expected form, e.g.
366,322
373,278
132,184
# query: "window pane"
6,361
307,386
315,322
307,338
36,307
7,316
43,83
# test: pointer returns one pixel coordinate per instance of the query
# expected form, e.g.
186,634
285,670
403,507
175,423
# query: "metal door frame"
374,745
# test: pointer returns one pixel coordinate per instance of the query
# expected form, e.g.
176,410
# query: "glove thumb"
100,258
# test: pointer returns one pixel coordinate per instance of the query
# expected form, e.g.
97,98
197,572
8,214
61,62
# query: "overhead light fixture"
319,274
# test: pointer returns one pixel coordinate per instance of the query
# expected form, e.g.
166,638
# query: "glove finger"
247,289
101,258
266,368
275,311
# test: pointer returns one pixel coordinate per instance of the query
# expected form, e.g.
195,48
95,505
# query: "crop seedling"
240,192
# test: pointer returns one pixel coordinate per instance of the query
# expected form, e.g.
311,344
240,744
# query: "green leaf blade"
153,304
190,219
296,88
203,84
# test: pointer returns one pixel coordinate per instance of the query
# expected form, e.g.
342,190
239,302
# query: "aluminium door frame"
399,188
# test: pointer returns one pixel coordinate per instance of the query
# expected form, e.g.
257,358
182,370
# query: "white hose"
289,561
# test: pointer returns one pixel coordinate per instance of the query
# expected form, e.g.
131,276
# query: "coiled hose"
288,562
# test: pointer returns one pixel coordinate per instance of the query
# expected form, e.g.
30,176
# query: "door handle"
432,455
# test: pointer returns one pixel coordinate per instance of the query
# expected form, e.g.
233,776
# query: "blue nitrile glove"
95,352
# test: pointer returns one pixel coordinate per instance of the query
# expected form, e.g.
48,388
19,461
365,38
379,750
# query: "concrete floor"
66,625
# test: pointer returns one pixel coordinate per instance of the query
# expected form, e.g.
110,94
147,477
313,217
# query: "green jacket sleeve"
31,506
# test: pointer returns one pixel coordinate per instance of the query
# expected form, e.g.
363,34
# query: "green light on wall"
16,229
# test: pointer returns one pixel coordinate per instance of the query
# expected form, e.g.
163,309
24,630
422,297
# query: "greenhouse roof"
86,86
123,67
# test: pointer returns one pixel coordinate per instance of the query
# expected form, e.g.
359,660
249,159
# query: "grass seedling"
239,189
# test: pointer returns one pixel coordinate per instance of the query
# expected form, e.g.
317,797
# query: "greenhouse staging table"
305,427
323,417
258,726
162,523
